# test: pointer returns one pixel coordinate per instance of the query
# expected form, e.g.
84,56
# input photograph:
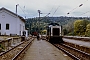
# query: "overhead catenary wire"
21,8
85,13
26,11
23,11
80,5
49,12
55,10
75,8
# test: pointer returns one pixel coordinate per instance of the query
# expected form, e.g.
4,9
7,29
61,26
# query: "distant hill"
60,19
35,23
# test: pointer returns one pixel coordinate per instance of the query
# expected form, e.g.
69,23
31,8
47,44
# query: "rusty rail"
17,57
73,52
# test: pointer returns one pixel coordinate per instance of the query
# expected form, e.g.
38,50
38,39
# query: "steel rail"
77,50
16,57
68,53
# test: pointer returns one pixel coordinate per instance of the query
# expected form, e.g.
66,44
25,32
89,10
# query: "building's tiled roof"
13,13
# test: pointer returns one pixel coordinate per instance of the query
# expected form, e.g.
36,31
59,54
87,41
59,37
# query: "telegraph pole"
39,13
39,19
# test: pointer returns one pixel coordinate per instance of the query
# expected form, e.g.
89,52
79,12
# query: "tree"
43,31
65,31
68,28
80,26
77,26
85,23
87,33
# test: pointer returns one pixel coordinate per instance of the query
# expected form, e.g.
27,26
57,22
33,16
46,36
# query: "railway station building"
11,23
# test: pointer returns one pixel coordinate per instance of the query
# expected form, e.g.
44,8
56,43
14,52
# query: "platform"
81,43
43,50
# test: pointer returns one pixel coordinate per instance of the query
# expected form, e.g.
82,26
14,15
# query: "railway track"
17,52
74,53
78,38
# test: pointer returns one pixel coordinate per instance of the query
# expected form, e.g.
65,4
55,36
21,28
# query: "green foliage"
87,33
71,33
80,27
65,32
77,26
43,31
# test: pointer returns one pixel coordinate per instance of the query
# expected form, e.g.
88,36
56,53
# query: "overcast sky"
57,8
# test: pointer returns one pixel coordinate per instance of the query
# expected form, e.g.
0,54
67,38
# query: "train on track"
54,33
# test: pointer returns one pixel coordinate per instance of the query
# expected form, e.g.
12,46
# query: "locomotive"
54,33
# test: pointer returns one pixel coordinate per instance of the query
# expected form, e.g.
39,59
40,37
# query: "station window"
7,26
0,26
